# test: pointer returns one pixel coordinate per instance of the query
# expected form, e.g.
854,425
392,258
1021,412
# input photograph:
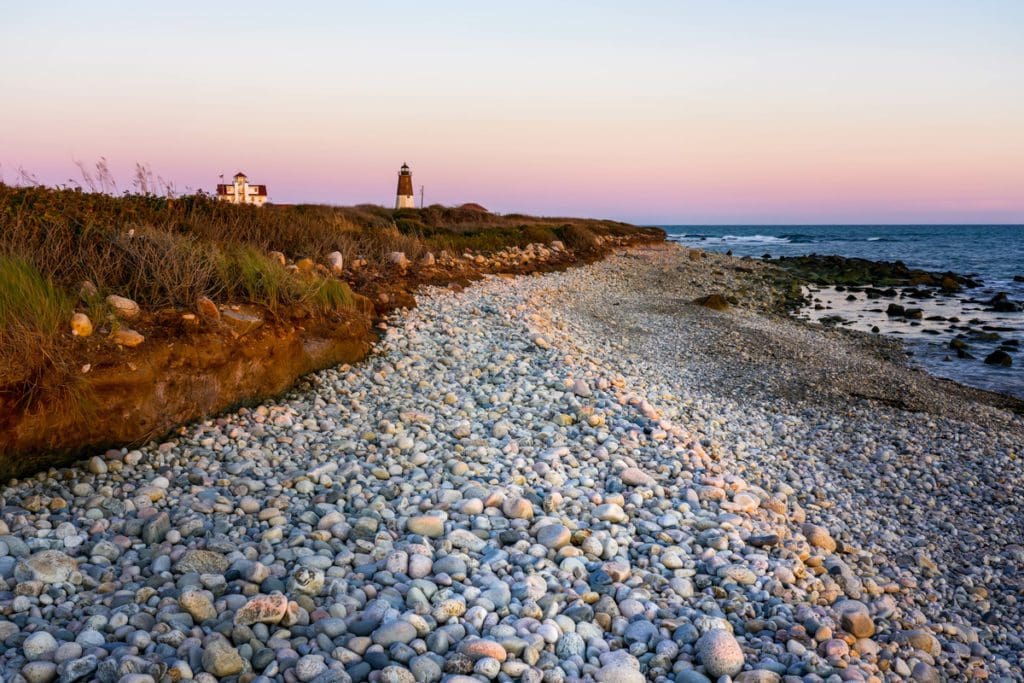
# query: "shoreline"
964,325
579,475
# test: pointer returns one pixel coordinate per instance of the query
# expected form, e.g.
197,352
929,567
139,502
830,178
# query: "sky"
747,111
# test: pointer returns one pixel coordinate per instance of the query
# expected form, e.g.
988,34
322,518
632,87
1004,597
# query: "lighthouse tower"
406,198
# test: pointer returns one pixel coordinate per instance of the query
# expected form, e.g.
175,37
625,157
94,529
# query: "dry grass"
165,253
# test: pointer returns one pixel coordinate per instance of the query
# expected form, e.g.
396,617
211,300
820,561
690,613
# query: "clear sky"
752,111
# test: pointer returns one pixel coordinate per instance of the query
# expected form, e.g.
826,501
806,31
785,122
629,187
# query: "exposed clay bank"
155,387
187,372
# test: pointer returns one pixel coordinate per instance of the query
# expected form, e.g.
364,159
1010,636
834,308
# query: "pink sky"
680,114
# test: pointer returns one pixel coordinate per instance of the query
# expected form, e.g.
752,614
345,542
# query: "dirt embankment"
136,394
190,366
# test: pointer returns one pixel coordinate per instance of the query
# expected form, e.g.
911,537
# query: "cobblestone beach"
572,476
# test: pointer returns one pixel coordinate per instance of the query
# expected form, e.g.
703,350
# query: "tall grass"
28,300
165,253
32,312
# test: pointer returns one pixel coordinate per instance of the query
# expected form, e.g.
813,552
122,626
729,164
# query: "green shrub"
248,274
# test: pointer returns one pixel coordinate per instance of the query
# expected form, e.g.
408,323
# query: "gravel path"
571,476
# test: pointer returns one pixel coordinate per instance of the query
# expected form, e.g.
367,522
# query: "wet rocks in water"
831,270
1000,303
898,311
999,357
950,285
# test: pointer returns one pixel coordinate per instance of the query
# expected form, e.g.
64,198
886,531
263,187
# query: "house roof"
241,174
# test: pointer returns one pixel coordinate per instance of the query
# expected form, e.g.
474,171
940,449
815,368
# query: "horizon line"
826,224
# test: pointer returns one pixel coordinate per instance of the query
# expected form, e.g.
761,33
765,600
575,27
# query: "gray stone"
720,654
397,631
553,536
221,659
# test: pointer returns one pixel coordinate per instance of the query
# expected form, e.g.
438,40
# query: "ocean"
993,254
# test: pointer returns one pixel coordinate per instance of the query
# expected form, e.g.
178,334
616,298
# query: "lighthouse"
406,198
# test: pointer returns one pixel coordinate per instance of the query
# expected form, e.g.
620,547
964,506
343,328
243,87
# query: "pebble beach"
574,476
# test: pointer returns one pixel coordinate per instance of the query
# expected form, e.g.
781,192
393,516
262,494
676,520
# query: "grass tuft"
33,312
248,274
28,301
325,294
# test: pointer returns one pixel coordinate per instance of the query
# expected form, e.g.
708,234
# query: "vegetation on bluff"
63,251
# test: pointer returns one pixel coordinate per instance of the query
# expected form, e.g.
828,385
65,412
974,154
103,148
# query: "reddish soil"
188,369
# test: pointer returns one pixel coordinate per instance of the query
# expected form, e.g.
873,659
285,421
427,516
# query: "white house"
241,192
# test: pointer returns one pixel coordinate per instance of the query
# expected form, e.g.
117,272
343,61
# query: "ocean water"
993,254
